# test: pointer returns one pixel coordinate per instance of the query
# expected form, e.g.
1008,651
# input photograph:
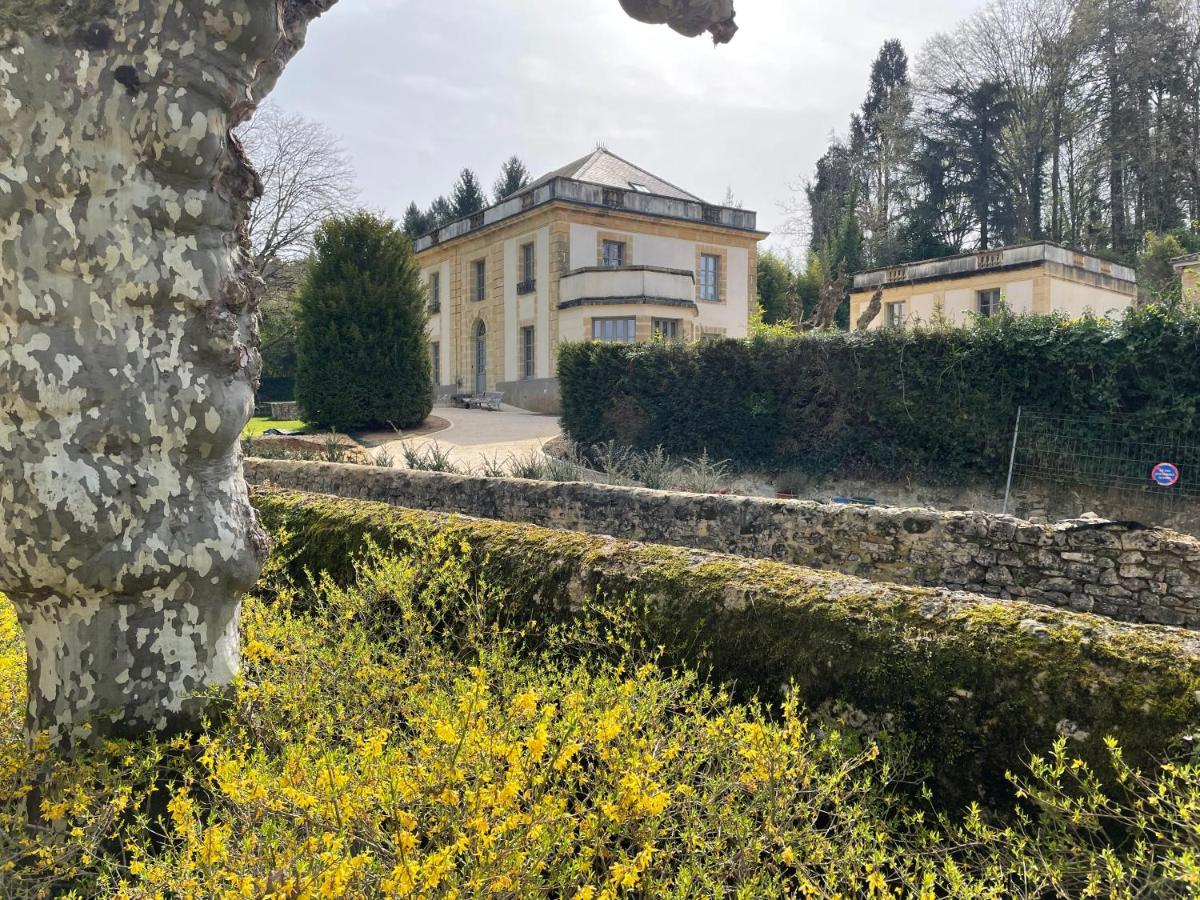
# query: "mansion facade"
598,250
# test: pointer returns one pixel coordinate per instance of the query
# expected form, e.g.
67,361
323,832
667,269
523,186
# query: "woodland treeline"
1076,121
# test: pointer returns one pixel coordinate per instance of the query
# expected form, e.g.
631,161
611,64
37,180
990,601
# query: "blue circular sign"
1165,474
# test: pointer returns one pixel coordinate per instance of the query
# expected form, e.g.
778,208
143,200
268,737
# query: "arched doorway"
480,358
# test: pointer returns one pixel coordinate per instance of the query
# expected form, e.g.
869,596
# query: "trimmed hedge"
977,683
937,403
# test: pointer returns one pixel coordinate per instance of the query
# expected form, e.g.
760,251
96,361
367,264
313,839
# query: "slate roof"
608,169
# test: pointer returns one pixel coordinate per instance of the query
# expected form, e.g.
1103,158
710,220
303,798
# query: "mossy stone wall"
978,683
1118,570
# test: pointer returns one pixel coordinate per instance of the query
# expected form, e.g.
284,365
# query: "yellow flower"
565,755
609,726
445,732
525,704
787,856
537,742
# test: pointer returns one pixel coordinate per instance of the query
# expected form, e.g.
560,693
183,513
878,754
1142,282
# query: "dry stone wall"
1115,569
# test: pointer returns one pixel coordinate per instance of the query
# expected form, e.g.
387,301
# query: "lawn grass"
256,426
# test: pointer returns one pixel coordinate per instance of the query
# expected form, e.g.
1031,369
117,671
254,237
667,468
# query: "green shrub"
363,353
937,403
975,682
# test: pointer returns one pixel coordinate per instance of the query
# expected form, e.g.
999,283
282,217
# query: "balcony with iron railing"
582,193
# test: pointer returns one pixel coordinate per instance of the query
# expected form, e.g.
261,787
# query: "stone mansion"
599,249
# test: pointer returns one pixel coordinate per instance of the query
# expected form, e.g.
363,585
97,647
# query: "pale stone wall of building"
1040,290
1133,574
730,316
1076,299
955,300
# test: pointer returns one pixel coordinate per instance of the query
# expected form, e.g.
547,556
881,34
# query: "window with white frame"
666,329
613,254
894,314
435,352
615,330
528,365
710,277
987,303
479,280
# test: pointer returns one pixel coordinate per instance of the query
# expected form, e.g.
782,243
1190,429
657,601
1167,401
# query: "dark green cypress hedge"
933,403
363,354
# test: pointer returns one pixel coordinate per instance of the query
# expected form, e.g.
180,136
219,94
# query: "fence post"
1012,461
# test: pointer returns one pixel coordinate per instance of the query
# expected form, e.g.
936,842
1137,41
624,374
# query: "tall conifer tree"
363,352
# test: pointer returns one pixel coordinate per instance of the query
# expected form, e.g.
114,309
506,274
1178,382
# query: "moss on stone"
977,683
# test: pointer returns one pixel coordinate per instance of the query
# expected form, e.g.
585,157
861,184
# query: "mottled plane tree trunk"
688,17
128,342
128,347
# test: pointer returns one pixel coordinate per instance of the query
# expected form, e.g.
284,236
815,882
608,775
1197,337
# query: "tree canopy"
467,197
1076,121
514,177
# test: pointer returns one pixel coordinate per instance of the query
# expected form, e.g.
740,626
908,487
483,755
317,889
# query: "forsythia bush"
391,741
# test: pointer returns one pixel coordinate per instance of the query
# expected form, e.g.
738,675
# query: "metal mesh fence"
1111,453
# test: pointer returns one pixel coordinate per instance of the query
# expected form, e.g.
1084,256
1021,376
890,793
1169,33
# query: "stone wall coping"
1119,569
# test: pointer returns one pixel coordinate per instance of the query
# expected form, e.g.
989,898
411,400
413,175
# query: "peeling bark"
128,342
128,351
688,17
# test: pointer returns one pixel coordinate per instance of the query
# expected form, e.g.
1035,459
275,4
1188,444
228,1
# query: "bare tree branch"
307,177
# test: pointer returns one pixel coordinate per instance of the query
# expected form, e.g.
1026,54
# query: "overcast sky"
417,89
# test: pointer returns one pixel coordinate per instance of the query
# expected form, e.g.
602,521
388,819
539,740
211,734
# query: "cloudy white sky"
417,89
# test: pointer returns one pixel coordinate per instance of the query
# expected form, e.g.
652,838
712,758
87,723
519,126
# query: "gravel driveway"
474,435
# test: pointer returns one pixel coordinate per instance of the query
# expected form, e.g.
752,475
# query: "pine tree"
514,177
440,213
417,223
467,197
363,352
882,139
970,128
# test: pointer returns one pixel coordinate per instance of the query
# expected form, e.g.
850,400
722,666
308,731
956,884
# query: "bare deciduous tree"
307,177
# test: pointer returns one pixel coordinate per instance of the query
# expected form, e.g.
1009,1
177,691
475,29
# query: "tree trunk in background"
1056,175
128,351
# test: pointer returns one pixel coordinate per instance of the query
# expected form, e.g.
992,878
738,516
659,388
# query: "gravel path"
475,435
